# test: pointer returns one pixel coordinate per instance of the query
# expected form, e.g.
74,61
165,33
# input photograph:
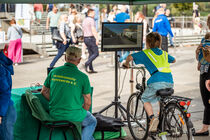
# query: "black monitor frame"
120,49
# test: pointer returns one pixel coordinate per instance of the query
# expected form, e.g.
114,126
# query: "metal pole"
116,85
30,31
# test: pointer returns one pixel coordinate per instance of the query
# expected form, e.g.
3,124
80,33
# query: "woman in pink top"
38,9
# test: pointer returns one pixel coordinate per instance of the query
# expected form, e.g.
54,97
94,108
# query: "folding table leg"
51,130
39,130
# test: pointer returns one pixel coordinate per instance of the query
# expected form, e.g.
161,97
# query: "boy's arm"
128,60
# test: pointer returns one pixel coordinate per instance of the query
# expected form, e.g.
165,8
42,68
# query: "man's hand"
46,92
208,85
65,42
0,119
97,41
74,40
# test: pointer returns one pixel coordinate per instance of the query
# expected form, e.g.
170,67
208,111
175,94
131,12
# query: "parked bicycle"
174,119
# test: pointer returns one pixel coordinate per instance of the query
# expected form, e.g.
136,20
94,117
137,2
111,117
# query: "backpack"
108,124
205,55
78,33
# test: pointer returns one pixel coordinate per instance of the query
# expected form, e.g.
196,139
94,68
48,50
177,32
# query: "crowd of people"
72,29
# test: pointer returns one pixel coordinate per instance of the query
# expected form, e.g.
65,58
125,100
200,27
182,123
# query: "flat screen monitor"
121,36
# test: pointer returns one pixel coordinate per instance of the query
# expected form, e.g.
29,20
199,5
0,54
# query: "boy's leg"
153,120
148,108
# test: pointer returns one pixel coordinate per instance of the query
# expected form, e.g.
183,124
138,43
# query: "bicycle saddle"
165,92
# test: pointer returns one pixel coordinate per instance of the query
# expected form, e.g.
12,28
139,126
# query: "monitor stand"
116,102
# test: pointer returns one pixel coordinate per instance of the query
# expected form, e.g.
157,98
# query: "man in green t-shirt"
66,87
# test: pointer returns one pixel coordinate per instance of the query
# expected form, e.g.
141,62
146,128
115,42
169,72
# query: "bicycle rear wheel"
175,123
137,118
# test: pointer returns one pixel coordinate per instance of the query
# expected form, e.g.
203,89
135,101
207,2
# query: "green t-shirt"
67,85
54,17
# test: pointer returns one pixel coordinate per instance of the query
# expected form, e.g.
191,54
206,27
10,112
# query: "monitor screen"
121,36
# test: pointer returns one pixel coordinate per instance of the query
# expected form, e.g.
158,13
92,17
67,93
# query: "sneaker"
16,64
153,124
54,47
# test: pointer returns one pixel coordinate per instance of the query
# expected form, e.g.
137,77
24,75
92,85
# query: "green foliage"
137,8
179,9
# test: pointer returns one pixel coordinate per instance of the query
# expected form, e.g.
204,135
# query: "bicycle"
174,120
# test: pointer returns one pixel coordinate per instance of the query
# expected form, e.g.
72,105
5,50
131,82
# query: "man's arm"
168,26
47,23
87,101
95,34
46,92
208,85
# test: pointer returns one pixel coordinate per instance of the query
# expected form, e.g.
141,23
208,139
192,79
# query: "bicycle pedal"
162,134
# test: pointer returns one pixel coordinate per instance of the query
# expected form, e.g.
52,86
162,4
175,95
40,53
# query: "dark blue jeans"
52,30
61,49
90,42
7,124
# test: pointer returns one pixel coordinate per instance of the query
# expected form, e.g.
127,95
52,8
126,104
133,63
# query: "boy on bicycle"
156,62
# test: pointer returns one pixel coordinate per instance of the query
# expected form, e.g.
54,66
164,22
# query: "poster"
23,15
2,36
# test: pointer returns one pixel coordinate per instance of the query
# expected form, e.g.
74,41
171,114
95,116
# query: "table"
26,126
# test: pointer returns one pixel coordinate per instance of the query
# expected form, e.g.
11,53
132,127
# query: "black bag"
110,124
56,35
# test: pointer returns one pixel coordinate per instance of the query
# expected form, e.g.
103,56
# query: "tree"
179,9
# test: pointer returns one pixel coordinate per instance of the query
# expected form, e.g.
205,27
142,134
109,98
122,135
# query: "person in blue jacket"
7,110
163,27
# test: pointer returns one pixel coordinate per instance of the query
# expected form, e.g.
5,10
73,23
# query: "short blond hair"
73,53
153,40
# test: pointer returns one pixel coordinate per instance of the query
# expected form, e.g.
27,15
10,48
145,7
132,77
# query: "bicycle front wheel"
175,123
137,118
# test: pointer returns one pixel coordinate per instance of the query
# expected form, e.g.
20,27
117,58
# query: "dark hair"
207,36
89,11
153,40
12,22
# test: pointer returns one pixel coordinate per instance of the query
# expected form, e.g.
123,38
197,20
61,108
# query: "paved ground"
186,79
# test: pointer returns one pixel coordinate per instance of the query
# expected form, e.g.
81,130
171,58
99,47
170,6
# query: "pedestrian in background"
65,33
111,16
38,9
204,87
14,35
140,18
170,19
49,7
7,110
52,21
91,40
97,14
104,15
71,16
122,17
163,27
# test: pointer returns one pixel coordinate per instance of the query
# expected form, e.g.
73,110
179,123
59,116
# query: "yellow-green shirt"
67,85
